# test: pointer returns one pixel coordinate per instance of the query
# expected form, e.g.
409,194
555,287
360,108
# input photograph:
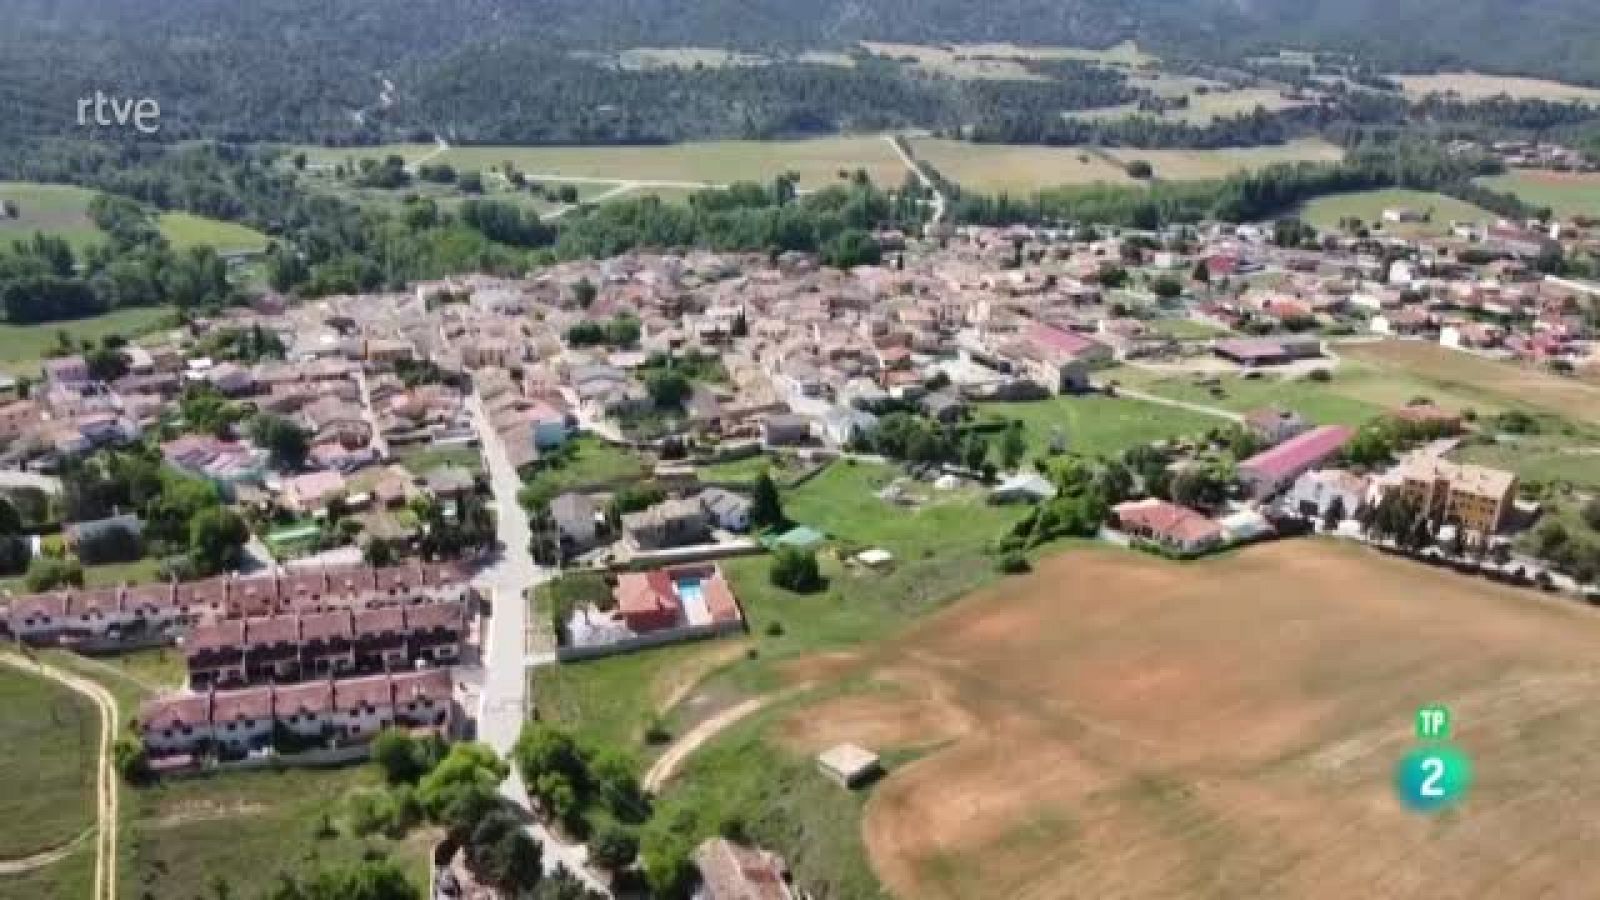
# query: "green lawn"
587,461
425,458
1185,329
23,346
1551,459
1095,425
1567,193
159,666
1368,206
744,472
50,736
247,827
140,571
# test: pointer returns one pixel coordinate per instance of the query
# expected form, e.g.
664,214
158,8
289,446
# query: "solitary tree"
766,506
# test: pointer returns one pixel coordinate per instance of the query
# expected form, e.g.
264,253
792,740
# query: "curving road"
105,848
922,176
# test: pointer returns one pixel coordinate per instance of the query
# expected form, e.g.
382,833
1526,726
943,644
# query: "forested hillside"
505,69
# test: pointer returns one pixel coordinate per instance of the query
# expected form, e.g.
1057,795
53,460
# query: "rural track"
105,850
922,176
671,761
43,857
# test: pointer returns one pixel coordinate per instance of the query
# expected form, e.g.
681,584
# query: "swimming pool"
689,590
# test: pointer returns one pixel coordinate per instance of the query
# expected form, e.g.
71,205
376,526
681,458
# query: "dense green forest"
485,71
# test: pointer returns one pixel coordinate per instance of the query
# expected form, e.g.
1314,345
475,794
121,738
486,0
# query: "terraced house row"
337,643
346,711
139,609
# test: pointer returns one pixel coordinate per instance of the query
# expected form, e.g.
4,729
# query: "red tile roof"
175,712
374,691
646,594
433,616
299,699
326,626
1298,453
1058,341
250,703
1177,523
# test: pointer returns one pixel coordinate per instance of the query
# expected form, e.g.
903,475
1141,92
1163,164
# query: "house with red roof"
1057,358
1273,470
1172,526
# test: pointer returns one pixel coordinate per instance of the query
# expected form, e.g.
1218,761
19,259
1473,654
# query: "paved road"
922,176
105,848
503,704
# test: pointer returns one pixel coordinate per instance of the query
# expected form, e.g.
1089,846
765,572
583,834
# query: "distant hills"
301,67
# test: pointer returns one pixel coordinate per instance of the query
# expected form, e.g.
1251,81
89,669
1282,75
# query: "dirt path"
105,851
672,760
44,857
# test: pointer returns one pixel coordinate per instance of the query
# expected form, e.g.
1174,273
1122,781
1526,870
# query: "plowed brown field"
1115,725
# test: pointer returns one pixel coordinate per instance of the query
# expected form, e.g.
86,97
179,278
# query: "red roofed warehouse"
1267,473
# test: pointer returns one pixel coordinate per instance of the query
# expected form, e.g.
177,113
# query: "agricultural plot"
1000,61
1566,193
1015,168
819,162
1089,728
62,211
1497,384
1194,165
23,346
1477,86
1368,206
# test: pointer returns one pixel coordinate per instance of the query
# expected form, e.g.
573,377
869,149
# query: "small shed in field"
850,765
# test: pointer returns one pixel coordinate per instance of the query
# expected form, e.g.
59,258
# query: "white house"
1315,492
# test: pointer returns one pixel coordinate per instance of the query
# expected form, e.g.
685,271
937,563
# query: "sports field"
1567,193
1368,206
1477,86
62,211
819,162
1120,725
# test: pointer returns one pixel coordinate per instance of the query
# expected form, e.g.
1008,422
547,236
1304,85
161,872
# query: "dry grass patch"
1504,384
1194,165
1132,727
1478,86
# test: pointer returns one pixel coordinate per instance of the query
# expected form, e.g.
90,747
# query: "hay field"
818,161
1502,384
1119,725
1001,61
1567,193
1477,86
1193,165
1015,167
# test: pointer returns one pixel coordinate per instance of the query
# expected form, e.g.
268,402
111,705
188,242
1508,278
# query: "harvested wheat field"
1116,725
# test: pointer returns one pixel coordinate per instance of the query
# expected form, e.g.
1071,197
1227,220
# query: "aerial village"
358,458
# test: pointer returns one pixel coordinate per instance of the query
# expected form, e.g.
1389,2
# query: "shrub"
774,628
1013,563
796,570
129,757
1320,375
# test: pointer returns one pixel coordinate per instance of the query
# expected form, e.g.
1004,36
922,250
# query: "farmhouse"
674,523
1168,524
1058,359
1274,426
1273,470
1314,493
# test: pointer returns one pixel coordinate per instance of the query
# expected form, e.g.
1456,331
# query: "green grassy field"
818,161
1339,402
248,826
1567,193
62,210
1548,459
49,734
1368,206
23,346
1185,329
423,459
188,230
55,209
1477,86
587,461
1015,168
1094,425
140,571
